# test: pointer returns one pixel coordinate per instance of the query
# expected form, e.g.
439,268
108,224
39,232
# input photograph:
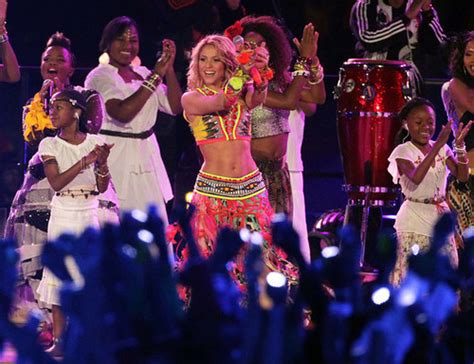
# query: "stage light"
244,235
415,249
188,197
468,233
256,238
139,215
129,251
275,279
381,295
330,252
145,236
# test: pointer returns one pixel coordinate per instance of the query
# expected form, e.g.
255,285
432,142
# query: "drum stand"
364,225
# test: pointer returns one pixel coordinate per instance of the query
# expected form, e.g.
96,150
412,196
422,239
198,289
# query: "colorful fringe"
252,212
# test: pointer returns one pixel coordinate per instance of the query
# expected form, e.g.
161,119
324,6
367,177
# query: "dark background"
31,22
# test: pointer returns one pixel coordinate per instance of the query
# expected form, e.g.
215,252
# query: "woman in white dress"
133,95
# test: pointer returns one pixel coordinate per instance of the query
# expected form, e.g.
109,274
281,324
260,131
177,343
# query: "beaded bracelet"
460,150
152,82
301,73
102,175
303,63
317,74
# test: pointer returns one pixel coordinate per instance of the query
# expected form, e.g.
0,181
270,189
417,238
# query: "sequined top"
267,121
233,124
450,109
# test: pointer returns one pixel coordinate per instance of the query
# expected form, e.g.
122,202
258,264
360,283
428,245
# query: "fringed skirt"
236,203
277,180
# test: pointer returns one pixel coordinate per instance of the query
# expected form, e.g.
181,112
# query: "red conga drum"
369,95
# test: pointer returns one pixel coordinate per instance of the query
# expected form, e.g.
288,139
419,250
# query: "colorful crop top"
233,124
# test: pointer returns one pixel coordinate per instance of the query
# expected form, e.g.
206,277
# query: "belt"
431,201
142,135
77,193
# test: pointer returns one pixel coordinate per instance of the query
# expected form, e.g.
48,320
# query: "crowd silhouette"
124,305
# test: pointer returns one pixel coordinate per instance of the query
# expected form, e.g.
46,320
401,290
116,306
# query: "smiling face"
211,66
57,62
421,123
124,48
62,114
469,58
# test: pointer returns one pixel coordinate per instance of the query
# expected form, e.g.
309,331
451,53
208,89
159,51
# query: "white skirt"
64,221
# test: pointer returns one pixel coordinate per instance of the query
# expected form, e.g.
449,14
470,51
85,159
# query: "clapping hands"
167,57
99,154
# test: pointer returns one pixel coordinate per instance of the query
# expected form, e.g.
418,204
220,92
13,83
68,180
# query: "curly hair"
58,39
226,50
456,62
276,42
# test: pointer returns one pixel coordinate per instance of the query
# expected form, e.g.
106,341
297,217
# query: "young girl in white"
421,166
75,164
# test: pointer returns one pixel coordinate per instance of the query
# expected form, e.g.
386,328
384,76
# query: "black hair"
58,39
403,135
276,41
113,29
456,61
78,101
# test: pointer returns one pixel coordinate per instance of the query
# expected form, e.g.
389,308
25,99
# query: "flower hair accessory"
234,31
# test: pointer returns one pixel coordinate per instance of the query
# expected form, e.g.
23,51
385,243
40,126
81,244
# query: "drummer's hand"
461,132
443,135
308,45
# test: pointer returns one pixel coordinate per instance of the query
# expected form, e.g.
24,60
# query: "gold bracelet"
154,79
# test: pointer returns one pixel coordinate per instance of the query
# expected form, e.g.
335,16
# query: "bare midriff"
228,158
271,147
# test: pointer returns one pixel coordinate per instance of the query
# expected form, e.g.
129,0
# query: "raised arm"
174,88
288,99
9,70
125,110
431,32
416,174
374,37
194,103
314,91
459,166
